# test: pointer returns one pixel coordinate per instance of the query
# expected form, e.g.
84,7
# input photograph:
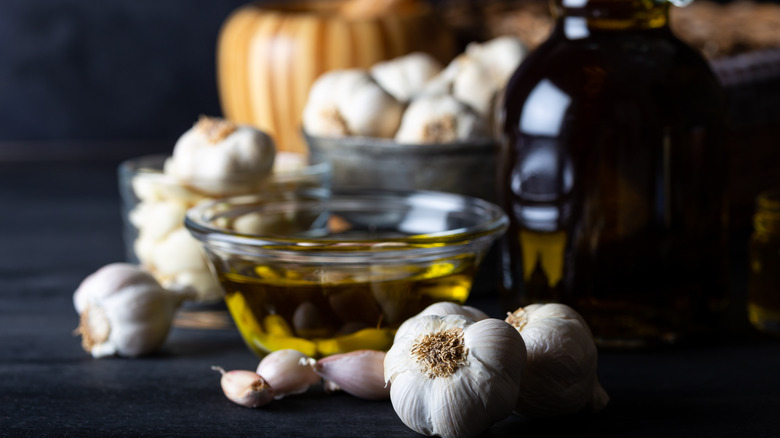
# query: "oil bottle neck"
583,15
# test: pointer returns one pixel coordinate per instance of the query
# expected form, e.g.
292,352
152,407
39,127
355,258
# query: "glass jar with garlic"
214,159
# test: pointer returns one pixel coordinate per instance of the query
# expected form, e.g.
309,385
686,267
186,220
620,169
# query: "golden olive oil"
322,310
763,298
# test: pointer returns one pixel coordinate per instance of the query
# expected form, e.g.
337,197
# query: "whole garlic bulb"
443,308
439,119
124,311
405,76
560,375
219,157
499,56
451,376
350,103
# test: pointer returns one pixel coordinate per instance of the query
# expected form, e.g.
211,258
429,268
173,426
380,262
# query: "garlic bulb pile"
453,377
413,100
560,376
124,311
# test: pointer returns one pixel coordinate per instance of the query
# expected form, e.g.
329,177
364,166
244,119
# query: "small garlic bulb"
350,103
221,158
439,119
245,388
453,377
288,371
124,311
560,375
359,373
405,76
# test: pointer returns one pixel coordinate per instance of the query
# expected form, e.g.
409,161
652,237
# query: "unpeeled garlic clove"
358,373
288,371
561,371
245,388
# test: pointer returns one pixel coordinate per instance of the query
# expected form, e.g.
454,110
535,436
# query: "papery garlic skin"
439,119
359,373
560,376
245,388
405,76
288,371
443,308
350,103
463,396
218,157
500,57
124,311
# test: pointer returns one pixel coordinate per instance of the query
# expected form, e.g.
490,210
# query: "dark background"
91,70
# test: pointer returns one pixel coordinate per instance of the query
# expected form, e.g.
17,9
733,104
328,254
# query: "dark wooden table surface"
60,221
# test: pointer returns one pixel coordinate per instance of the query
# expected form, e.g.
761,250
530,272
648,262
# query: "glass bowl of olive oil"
331,272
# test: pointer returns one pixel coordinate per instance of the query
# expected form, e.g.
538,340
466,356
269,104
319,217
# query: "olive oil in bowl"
332,274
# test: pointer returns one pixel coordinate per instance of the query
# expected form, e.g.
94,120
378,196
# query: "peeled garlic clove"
178,252
202,281
358,373
439,119
443,308
560,376
155,220
124,311
245,388
288,371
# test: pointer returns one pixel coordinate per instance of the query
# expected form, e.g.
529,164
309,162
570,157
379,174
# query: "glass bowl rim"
134,165
493,224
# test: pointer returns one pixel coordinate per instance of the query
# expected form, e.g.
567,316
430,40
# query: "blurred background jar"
269,54
613,172
763,301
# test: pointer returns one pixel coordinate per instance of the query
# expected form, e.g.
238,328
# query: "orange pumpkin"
268,56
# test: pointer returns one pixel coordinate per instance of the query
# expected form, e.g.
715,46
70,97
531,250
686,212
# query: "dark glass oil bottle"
613,172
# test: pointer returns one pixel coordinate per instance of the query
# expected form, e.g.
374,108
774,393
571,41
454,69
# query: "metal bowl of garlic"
464,167
154,204
331,272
